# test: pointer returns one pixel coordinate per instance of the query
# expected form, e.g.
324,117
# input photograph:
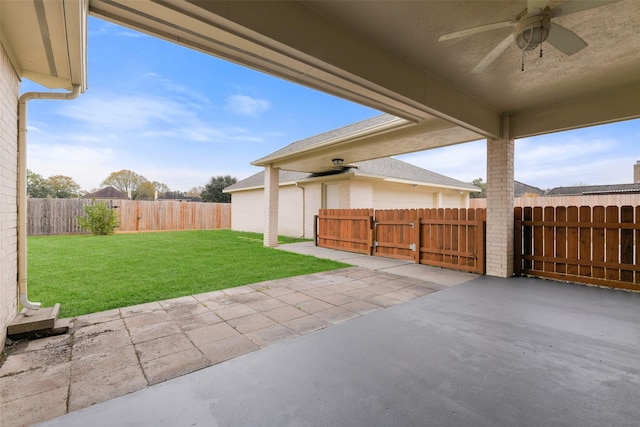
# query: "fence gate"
594,245
345,229
395,234
450,238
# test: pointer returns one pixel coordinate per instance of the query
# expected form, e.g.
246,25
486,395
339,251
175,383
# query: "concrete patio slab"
489,352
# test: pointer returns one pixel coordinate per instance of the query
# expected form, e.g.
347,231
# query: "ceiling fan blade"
578,6
535,5
491,56
476,30
565,40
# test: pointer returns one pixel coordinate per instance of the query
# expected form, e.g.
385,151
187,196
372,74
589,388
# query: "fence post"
315,230
417,232
517,241
372,233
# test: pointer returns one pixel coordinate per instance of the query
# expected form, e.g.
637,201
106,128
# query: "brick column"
271,188
499,236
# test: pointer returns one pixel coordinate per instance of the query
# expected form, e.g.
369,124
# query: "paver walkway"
113,353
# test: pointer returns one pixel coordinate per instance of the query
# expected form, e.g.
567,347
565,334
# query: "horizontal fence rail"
59,216
586,244
450,238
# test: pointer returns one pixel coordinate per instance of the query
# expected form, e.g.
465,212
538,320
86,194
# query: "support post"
500,192
271,188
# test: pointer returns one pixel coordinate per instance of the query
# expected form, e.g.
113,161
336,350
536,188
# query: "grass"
87,274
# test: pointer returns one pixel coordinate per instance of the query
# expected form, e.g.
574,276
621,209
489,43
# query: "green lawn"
86,274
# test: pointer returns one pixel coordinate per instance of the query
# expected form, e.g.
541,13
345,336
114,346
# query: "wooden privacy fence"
450,238
595,245
58,216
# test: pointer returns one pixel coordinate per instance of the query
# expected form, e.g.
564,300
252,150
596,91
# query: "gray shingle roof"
383,168
520,189
579,190
333,135
106,193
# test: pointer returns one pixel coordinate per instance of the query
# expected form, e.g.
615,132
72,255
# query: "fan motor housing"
532,30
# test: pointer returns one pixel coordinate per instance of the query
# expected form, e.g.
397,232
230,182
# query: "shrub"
100,219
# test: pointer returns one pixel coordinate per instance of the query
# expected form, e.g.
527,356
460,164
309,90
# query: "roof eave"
396,123
53,55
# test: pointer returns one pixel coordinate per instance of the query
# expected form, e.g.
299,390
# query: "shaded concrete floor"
488,352
121,351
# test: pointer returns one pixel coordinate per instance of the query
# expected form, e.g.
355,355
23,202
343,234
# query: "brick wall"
499,235
9,90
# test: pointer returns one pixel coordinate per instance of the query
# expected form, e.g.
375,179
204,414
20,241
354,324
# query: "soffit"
46,40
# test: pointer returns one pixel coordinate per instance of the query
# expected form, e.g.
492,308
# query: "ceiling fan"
532,27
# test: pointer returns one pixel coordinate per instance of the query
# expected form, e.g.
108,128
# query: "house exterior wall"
299,204
396,196
312,204
9,90
590,200
247,209
361,194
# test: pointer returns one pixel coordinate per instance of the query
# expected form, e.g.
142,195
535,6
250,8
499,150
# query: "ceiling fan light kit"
532,30
532,27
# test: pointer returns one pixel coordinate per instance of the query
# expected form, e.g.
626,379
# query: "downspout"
22,185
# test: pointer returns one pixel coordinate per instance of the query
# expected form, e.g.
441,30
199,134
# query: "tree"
195,192
161,188
37,186
212,192
63,187
175,195
478,182
124,180
145,191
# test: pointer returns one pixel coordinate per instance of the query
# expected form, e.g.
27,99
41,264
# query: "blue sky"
180,117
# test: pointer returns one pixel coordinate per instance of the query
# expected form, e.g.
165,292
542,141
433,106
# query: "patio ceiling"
386,55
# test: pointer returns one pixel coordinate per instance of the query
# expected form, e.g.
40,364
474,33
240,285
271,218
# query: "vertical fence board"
585,241
561,239
549,253
626,242
448,238
592,245
59,216
572,240
612,242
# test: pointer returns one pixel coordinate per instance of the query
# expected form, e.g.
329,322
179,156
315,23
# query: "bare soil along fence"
59,216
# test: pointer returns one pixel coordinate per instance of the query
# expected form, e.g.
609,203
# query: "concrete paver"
121,351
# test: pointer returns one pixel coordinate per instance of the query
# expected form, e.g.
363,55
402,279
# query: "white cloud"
86,165
124,112
246,105
464,162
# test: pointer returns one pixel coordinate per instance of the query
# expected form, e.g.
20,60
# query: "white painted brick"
9,90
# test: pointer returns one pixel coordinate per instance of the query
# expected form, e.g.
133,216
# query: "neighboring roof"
583,190
380,168
364,127
520,189
106,193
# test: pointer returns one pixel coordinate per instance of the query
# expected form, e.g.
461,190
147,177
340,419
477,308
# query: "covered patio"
491,351
487,352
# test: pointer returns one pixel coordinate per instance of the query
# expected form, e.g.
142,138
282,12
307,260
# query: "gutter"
22,185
